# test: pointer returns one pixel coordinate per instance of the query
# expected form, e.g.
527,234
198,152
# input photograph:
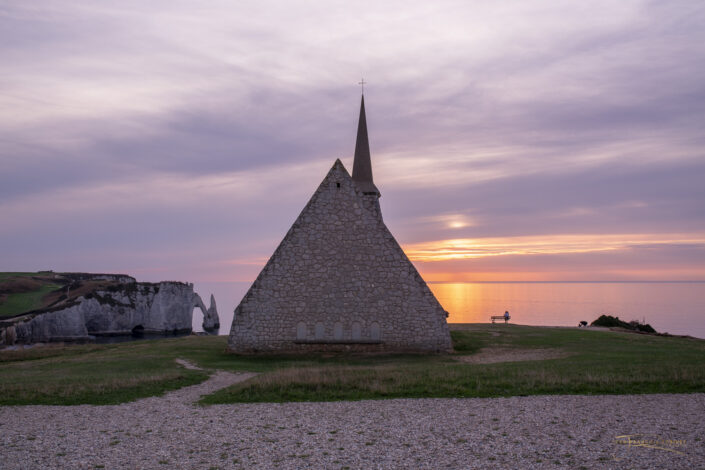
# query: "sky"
511,141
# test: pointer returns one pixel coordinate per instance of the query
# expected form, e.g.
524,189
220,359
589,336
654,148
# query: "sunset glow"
444,250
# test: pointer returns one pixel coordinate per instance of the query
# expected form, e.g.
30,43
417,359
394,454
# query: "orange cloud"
469,248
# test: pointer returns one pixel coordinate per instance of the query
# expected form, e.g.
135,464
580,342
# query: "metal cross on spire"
362,84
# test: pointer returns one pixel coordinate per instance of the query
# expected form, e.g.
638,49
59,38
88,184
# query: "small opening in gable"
337,185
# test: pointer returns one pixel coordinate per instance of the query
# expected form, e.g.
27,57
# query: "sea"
670,307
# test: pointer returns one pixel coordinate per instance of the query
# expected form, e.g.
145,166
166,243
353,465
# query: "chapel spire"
362,166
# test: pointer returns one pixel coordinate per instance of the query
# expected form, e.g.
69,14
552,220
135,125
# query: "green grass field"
24,291
6,275
595,362
94,374
25,301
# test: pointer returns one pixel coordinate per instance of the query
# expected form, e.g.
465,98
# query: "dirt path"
189,395
187,364
495,355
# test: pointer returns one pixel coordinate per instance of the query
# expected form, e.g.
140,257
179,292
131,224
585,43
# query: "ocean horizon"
674,307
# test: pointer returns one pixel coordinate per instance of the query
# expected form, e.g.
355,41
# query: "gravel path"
543,432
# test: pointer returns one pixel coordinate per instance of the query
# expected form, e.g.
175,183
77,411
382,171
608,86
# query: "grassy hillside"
20,292
24,292
580,361
26,301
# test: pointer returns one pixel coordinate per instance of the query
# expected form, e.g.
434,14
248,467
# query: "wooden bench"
499,317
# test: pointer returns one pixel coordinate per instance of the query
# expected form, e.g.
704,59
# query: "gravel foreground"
541,432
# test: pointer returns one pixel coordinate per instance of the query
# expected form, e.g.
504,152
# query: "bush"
645,327
609,321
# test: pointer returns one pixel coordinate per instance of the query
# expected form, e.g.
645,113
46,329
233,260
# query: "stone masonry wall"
339,280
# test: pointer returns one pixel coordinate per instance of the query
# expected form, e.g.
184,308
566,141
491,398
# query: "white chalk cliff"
132,308
211,320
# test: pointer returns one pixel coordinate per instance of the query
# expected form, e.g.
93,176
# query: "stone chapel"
339,281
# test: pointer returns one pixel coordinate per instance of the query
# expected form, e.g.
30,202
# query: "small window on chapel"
320,331
337,185
356,331
375,332
301,330
338,331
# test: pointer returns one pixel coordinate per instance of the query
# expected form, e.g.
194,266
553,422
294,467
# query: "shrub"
610,322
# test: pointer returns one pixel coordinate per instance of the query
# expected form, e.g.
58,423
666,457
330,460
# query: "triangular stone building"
339,280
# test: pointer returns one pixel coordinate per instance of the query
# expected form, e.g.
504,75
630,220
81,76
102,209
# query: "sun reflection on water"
669,307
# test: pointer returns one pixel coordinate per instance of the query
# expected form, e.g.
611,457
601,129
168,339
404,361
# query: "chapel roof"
362,165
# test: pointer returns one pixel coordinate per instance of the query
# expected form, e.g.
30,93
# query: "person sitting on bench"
504,317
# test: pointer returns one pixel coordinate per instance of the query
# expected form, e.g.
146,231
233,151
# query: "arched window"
375,332
320,331
356,331
301,330
338,331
